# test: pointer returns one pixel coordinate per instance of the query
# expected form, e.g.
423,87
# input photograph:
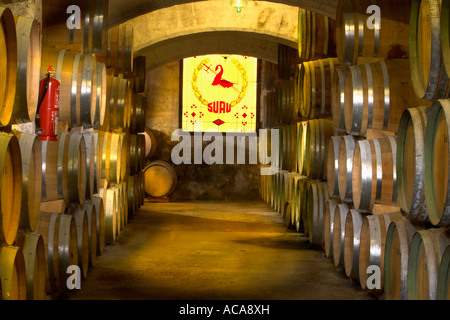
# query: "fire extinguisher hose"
38,120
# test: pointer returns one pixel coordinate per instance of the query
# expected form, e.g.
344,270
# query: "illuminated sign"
220,93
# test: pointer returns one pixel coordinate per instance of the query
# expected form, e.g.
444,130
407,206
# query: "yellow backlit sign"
220,93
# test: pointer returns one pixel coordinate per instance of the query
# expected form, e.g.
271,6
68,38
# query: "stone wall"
195,182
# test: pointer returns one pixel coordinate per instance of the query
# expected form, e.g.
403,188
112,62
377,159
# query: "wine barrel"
100,96
10,188
137,116
139,74
92,215
317,200
28,69
437,164
72,171
140,189
283,136
132,196
372,244
97,202
119,50
388,39
77,74
119,209
109,102
396,255
442,291
91,164
328,226
338,99
13,273
124,204
292,147
32,246
118,104
426,250
30,149
287,195
273,189
411,163
126,216
82,225
315,88
428,73
345,167
374,173
104,142
59,232
150,143
109,196
340,217
353,224
286,203
67,248
281,191
301,146
134,152
8,65
98,163
88,38
276,191
124,159
301,205
333,166
160,179
285,101
295,200
316,35
376,94
445,34
47,227
114,158
141,152
317,137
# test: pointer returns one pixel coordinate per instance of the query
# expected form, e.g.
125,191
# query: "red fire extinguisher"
47,112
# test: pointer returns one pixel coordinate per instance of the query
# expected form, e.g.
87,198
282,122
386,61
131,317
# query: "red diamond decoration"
193,114
244,115
219,122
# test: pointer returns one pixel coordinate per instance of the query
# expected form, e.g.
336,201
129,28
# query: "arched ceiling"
203,27
120,11
250,44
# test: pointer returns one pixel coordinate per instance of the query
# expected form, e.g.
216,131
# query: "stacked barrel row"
385,198
57,210
373,191
22,271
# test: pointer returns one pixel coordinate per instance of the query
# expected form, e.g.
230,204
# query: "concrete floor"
213,251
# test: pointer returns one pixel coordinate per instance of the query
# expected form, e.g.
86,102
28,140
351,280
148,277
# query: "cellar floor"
213,251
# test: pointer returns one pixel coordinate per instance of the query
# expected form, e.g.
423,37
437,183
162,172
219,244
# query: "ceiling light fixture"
238,4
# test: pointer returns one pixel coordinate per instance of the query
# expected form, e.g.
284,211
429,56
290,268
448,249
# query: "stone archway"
121,11
214,27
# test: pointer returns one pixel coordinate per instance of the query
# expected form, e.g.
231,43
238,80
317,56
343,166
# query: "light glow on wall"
220,94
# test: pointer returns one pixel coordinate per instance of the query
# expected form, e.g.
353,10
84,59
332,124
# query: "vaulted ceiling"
121,11
168,30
